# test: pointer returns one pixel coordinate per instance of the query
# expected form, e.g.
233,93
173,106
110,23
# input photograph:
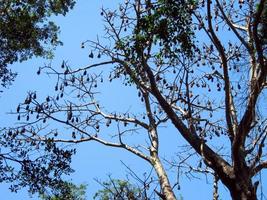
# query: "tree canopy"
26,31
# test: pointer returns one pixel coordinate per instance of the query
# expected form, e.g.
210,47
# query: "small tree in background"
68,191
118,189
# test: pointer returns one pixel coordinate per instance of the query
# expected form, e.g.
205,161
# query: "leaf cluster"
168,22
67,191
25,31
35,164
118,189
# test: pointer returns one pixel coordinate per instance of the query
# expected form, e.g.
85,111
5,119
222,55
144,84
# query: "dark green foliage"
168,24
163,30
25,31
38,165
173,20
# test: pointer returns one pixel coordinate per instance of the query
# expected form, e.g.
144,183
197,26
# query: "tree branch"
233,27
229,110
259,167
212,159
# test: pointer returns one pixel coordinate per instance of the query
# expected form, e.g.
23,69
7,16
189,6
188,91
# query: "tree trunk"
242,188
239,193
163,179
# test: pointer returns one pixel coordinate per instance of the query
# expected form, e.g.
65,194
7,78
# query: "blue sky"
92,160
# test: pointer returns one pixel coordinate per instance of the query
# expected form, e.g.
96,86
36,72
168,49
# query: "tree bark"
163,179
241,186
243,192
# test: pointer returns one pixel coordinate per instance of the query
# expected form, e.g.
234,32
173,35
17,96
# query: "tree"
186,72
69,191
27,32
120,190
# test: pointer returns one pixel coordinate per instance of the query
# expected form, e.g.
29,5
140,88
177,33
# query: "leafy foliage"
119,190
25,31
166,23
33,164
68,191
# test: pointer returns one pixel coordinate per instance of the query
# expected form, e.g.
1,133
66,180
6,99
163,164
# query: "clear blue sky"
92,160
